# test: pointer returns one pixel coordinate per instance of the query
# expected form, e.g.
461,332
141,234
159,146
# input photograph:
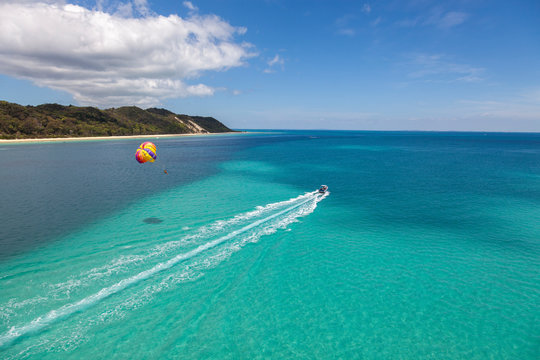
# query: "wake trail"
65,311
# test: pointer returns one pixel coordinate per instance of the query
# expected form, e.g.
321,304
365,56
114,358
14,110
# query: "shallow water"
426,246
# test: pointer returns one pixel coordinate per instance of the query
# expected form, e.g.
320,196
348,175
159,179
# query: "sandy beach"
94,138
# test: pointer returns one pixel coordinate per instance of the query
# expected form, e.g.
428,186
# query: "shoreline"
113,137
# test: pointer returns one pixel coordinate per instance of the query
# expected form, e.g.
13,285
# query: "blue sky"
373,65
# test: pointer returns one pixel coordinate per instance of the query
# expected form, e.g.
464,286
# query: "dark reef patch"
153,220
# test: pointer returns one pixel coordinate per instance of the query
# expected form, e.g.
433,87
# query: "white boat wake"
273,216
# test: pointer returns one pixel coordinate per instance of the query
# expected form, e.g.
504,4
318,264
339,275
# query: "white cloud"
343,25
125,8
142,7
190,6
376,22
508,114
366,8
272,63
531,96
41,1
347,31
450,19
436,17
439,68
408,22
106,59
276,60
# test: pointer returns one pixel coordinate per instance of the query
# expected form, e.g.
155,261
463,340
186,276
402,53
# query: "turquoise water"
427,246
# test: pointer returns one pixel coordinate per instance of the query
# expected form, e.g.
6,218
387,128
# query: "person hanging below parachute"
147,152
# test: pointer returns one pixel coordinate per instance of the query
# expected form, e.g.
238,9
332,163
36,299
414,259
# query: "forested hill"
53,120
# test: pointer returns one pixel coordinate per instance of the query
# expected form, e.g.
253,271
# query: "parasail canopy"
146,152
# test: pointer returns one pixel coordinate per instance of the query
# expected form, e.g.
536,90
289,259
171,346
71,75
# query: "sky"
461,65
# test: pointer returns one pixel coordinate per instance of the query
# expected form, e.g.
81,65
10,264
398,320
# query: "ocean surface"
426,246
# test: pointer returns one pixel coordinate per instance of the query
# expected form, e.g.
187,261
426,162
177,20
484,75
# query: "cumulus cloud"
124,8
107,59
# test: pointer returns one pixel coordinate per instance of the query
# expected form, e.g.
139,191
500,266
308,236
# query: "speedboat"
323,189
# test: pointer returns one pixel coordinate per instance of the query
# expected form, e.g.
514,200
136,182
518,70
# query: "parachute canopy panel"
146,152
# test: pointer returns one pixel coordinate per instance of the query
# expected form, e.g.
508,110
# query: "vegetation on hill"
54,120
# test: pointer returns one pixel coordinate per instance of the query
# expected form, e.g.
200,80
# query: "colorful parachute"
146,152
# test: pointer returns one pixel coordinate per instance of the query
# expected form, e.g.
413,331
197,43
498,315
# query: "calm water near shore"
427,246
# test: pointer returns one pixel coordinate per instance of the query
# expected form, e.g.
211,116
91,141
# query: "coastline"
113,137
